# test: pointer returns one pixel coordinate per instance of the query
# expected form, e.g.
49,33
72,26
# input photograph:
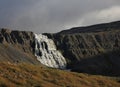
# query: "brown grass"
28,75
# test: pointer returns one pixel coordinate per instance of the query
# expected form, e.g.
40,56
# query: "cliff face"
16,37
16,46
23,46
83,45
93,50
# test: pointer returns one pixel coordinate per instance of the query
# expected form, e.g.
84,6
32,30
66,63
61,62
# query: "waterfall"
46,52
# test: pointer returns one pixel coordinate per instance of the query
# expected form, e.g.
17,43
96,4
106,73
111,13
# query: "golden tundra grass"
28,75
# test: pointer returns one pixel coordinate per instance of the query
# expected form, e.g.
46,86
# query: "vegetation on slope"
28,75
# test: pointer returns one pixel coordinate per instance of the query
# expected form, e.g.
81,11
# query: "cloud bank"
55,15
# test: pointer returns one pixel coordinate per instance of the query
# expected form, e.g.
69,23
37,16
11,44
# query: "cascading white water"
46,52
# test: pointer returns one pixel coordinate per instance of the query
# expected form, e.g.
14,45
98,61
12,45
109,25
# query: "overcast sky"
55,15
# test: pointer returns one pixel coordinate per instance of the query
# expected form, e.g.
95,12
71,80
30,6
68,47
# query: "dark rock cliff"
93,49
17,46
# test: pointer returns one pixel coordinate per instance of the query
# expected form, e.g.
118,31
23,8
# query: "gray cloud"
55,15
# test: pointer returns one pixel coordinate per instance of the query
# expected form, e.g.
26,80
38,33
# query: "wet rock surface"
47,54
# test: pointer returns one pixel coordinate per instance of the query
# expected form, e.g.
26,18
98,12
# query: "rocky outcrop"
17,46
24,46
22,38
91,49
83,45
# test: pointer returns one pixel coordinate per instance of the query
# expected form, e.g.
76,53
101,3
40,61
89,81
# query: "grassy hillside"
28,75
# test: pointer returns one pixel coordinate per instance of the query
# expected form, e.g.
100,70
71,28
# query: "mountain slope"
92,50
28,75
93,28
16,46
89,43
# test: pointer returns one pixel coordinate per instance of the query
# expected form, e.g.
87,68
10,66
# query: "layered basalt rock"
16,37
93,49
17,46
